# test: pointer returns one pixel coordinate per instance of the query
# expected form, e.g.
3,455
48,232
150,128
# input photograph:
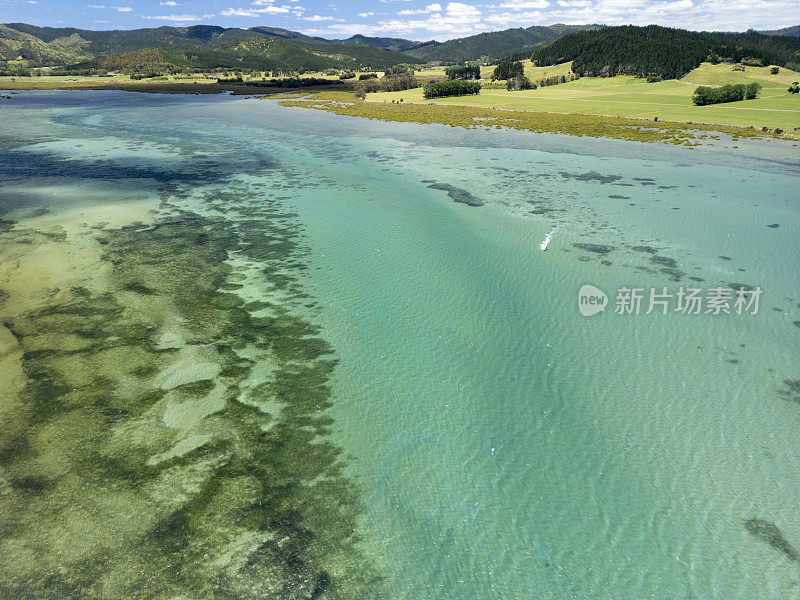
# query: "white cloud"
257,12
524,4
364,15
420,11
181,18
513,19
322,18
118,8
168,3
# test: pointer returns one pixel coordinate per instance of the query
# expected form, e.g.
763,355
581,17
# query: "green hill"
276,53
200,46
669,53
17,45
496,44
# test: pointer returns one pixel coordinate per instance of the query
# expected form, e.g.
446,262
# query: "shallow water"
251,351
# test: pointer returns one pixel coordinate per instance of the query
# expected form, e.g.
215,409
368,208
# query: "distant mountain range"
275,49
265,48
199,46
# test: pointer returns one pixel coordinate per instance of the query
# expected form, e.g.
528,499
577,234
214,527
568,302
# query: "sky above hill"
412,19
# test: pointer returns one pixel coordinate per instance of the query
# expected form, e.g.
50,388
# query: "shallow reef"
167,437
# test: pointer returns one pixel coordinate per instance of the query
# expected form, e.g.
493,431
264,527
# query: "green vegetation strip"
342,103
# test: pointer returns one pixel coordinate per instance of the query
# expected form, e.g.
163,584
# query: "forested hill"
669,53
200,46
495,44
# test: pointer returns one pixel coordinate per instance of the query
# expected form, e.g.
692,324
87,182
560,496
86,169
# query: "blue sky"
413,19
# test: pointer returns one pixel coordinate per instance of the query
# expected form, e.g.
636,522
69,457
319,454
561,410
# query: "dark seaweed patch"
591,176
791,390
596,248
742,286
457,194
770,533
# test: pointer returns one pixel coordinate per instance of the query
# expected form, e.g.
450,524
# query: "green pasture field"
631,97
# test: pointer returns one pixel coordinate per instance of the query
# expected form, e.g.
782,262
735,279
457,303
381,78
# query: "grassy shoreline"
469,117
150,87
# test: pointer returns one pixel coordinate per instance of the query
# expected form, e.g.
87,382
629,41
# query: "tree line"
450,87
388,83
663,51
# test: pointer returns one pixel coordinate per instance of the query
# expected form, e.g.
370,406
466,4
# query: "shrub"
774,70
653,78
704,95
347,75
794,88
365,76
442,89
752,62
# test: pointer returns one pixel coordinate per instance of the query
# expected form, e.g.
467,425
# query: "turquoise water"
500,444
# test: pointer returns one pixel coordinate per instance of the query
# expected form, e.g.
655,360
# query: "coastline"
340,100
149,87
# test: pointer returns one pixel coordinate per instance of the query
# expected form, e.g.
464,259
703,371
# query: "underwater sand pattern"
164,434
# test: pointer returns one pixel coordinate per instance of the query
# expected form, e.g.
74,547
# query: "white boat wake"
547,239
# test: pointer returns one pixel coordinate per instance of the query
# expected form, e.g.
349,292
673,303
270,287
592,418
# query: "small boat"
547,239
